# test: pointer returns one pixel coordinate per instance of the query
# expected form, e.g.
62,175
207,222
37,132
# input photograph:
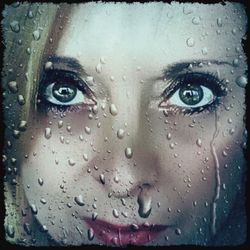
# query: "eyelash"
208,80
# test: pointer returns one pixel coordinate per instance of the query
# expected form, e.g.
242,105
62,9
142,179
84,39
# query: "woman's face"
138,131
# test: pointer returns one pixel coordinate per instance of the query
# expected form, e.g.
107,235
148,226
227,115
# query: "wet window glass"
124,124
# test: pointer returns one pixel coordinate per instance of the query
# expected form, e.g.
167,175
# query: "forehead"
153,29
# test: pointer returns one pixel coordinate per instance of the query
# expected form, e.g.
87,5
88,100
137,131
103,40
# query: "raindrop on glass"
13,86
98,68
79,200
113,110
241,81
91,234
178,231
198,142
10,231
36,35
219,22
87,130
21,99
71,162
22,125
196,20
15,27
120,133
48,133
128,152
115,213
40,181
190,42
33,208
85,157
102,178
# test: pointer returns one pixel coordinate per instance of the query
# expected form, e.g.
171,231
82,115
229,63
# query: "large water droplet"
71,162
115,213
13,87
190,42
87,130
30,14
198,142
21,99
36,35
196,20
120,133
113,110
15,26
40,181
169,136
145,203
33,208
98,68
22,125
91,234
26,227
85,157
102,178
47,133
48,65
178,231
16,133
10,231
79,200
241,81
128,152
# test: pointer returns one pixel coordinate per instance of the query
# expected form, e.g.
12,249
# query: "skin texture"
135,43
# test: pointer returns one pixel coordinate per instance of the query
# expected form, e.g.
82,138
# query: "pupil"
64,92
191,94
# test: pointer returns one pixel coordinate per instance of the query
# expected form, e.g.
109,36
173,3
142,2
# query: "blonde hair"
28,28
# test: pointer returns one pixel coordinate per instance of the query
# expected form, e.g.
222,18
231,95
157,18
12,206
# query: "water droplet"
26,227
43,201
224,153
40,181
87,130
48,66
15,26
198,142
91,234
241,81
71,162
113,110
231,131
22,125
61,139
36,35
128,152
30,14
13,86
98,68
48,133
79,200
219,22
115,213
116,179
94,216
171,145
229,120
95,109
190,42
134,227
112,78
187,10
178,231
204,51
236,62
169,136
16,134
85,157
10,231
33,208
196,20
123,201
145,203
21,99
120,133
102,178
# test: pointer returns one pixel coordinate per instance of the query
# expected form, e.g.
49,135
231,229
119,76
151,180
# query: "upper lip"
124,234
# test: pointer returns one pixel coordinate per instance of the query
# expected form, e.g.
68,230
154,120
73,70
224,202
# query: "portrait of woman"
124,124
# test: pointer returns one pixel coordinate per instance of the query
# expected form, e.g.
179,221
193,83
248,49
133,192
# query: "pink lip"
121,235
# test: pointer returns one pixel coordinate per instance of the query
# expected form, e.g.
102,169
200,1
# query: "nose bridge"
126,98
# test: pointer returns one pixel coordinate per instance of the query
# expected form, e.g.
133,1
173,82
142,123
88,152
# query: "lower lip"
120,235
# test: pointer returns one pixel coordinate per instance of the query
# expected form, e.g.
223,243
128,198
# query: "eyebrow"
172,70
66,63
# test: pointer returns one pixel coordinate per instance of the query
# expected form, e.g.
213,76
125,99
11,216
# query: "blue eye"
64,89
193,92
